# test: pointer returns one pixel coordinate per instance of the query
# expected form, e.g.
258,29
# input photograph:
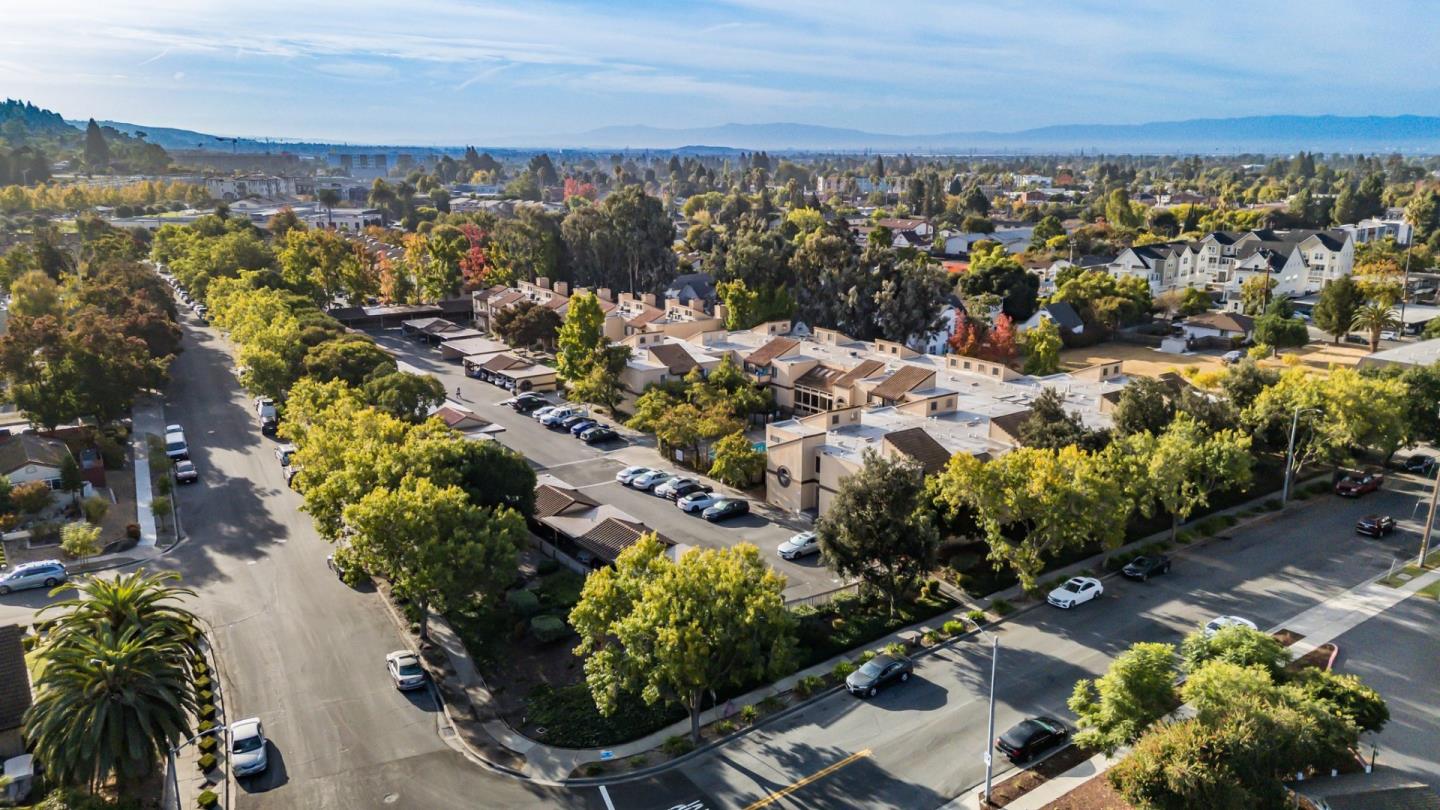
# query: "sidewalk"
147,418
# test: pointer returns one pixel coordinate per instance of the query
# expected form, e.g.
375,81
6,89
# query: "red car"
1357,484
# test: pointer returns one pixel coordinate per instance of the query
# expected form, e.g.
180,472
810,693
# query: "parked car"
726,508
289,472
1146,566
269,426
265,408
629,474
678,492
1231,357
1419,464
1031,736
597,434
667,489
405,670
40,574
697,502
555,417
1075,591
283,454
527,402
247,747
648,481
571,421
799,545
582,426
1357,484
1219,623
175,445
878,672
185,472
1375,525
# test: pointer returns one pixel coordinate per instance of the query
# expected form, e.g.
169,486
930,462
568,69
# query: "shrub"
594,769
207,712
894,648
547,566
723,727
930,638
838,623
842,670
560,590
865,657
204,726
207,798
1002,607
639,761
132,531
749,714
94,508
804,611
207,762
206,744
9,521
929,589
202,682
31,496
809,685
677,745
29,642
977,616
549,628
80,539
771,704
522,602
955,627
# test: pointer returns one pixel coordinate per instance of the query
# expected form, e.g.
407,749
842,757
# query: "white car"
247,747
647,481
185,472
1076,590
175,446
541,413
405,669
667,489
697,502
284,452
801,545
1219,623
559,414
628,474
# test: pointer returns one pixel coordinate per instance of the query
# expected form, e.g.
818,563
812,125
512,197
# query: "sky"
492,72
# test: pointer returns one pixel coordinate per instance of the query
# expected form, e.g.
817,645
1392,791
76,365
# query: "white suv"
175,446
42,574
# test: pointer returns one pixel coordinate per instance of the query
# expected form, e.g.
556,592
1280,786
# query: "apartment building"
1301,261
625,315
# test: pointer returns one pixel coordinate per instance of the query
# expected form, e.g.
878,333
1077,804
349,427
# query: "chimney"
562,288
604,294
543,283
721,312
672,303
648,298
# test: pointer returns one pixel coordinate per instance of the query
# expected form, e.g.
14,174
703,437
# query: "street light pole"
990,734
1290,455
1430,518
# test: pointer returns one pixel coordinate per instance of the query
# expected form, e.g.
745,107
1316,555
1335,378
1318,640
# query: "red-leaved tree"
475,264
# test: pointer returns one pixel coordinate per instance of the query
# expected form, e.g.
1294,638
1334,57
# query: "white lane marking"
605,794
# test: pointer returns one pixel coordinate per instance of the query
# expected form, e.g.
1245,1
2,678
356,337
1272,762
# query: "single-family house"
15,696
1061,313
1228,325
27,457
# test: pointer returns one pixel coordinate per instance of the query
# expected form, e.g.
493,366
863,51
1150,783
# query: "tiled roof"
867,368
27,448
14,679
921,446
1226,321
552,500
502,361
646,316
613,536
820,377
505,298
904,379
766,354
673,357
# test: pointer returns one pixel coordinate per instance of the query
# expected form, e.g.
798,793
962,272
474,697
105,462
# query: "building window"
933,403
817,465
995,372
835,420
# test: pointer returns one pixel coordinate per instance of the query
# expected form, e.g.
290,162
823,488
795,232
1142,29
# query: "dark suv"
1375,525
1146,566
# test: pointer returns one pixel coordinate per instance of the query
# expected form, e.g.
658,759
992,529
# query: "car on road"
597,434
247,747
675,493
1231,357
1029,737
39,574
284,452
1219,623
667,489
405,670
629,474
649,480
175,446
1075,591
799,545
879,672
1146,566
1375,525
582,426
185,472
726,508
1357,484
697,502
1419,464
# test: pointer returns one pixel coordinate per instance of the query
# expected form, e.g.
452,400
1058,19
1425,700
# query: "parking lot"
593,468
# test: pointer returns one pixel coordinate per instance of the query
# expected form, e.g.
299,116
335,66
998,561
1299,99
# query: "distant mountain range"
1269,133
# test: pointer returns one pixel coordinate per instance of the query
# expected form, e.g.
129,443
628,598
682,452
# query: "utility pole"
990,734
1429,518
1290,454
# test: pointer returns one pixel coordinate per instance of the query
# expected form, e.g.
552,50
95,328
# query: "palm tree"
138,599
1375,318
329,198
110,702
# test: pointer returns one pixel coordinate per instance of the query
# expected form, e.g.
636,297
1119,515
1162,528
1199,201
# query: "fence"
825,597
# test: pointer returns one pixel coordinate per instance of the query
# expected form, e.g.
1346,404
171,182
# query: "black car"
1419,464
598,434
269,426
1146,566
1029,737
528,403
726,508
1375,525
686,488
878,672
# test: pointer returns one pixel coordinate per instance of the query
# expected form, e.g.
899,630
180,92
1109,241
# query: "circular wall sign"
783,476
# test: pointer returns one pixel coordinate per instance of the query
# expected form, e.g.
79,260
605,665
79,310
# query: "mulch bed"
1037,775
1095,794
1319,658
1287,638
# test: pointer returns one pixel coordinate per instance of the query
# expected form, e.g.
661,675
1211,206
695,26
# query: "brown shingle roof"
1226,321
646,316
503,361
505,298
551,500
673,357
14,679
867,368
613,536
921,446
904,379
27,448
1010,423
764,355
820,377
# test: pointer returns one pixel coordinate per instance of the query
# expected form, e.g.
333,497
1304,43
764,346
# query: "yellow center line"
821,774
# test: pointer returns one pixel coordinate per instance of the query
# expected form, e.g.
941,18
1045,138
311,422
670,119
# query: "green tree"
352,359
910,300
1375,318
97,151
1234,644
879,528
34,294
601,384
1144,407
329,198
527,324
1189,461
1194,301
996,272
737,462
72,480
1041,345
1339,302
80,540
580,338
1050,427
674,632
405,395
1255,293
1136,690
438,548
